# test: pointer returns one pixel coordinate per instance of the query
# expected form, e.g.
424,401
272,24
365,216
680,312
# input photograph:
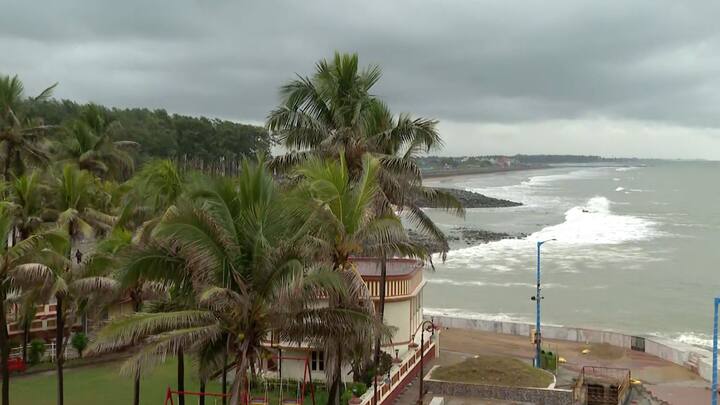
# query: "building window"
317,361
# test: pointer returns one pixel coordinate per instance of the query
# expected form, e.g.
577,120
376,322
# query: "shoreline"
434,174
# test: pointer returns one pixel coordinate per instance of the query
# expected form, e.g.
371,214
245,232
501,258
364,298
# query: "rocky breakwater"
470,199
461,236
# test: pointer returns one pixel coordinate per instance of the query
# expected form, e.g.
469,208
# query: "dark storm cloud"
459,61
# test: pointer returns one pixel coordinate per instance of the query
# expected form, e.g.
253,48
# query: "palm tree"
346,224
20,136
143,200
111,250
88,143
74,195
334,112
27,193
16,261
73,284
238,245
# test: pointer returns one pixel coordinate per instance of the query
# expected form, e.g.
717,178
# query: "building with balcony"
403,310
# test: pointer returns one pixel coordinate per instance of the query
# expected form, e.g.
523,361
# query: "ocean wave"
489,284
594,224
620,189
585,226
626,169
525,191
695,339
700,340
502,317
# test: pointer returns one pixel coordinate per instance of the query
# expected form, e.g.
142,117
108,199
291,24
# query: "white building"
403,310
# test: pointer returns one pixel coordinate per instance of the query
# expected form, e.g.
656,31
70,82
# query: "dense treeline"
163,135
455,162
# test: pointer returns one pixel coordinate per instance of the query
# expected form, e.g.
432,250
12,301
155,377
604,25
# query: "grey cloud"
461,61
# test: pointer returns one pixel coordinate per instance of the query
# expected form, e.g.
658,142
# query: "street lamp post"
430,328
537,298
713,392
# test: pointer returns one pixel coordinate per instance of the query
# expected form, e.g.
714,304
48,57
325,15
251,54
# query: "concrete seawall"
694,358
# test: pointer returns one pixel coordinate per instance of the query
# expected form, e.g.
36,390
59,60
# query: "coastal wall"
691,357
546,396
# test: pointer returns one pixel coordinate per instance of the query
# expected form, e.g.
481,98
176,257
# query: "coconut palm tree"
16,261
89,144
21,137
27,193
238,244
334,112
346,224
141,202
72,283
74,195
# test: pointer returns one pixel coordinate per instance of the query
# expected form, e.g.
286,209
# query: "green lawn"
102,384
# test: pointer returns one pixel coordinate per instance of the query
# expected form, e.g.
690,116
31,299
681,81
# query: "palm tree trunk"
181,376
59,336
26,339
137,304
202,391
224,381
6,168
136,390
225,371
381,309
5,352
334,393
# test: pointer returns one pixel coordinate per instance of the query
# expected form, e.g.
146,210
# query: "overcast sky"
611,77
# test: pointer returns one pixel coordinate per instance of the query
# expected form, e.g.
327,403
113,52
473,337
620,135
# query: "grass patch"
494,370
102,384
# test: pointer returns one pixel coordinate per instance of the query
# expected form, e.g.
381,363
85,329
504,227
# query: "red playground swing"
260,400
307,378
169,395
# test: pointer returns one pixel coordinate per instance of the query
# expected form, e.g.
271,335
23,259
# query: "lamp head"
540,243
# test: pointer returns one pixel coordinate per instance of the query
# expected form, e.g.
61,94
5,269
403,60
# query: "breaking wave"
503,317
489,284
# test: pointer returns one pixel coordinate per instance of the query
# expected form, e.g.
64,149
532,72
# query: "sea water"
637,249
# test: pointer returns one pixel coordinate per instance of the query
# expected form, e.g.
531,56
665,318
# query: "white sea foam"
620,189
694,339
689,338
625,169
616,179
503,317
595,224
489,284
585,226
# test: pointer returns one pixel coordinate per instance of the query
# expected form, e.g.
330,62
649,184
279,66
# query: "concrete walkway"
667,381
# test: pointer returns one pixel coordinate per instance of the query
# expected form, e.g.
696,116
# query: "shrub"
36,351
358,389
368,376
80,342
